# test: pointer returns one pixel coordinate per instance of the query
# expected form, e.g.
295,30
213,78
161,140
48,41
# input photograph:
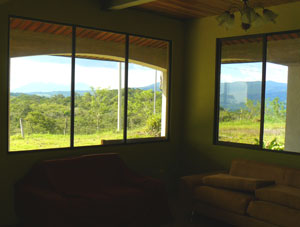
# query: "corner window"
72,87
257,100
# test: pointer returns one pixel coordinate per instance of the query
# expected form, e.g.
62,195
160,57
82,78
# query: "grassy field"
46,141
233,131
248,132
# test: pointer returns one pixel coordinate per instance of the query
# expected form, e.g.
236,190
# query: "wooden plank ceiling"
57,29
185,9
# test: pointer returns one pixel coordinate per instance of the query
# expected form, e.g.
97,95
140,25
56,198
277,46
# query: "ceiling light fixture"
249,16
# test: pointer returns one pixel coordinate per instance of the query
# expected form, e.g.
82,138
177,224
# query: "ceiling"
64,30
185,9
3,1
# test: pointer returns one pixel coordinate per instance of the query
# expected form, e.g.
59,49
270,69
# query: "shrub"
274,145
153,126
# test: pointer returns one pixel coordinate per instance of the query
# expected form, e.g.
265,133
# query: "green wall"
155,159
199,152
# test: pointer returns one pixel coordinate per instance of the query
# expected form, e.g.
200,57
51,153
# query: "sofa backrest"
85,173
247,168
292,177
260,170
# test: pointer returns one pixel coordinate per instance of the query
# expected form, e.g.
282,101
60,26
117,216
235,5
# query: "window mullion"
73,86
263,92
217,90
126,88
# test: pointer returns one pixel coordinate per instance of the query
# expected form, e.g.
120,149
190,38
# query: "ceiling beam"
122,4
3,1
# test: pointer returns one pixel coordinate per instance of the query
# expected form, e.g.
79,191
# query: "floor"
180,220
188,221
199,221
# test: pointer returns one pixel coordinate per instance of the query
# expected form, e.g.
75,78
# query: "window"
40,85
72,86
257,100
99,66
147,105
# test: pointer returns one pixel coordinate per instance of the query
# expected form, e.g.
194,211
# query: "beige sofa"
251,194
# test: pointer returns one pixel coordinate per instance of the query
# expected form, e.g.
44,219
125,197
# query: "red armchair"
90,190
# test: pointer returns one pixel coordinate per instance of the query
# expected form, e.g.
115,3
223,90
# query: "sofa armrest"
191,181
187,185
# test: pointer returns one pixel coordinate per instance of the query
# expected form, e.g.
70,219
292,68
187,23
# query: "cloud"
253,72
26,70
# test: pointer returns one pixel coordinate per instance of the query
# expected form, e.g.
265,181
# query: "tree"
39,123
95,111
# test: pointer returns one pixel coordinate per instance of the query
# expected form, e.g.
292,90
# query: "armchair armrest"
146,183
156,195
38,201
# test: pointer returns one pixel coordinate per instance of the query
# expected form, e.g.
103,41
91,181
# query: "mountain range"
234,95
51,89
48,87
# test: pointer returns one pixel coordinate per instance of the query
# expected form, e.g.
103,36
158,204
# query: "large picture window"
72,86
257,100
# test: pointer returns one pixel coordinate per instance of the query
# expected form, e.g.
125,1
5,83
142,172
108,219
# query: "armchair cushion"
124,201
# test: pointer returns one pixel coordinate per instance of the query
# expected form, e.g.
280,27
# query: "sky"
253,72
105,74
94,73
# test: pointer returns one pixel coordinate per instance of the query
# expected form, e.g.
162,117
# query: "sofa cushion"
231,218
281,194
236,183
274,213
225,199
253,169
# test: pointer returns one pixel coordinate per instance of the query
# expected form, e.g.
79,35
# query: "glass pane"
99,87
147,88
281,130
240,91
40,82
